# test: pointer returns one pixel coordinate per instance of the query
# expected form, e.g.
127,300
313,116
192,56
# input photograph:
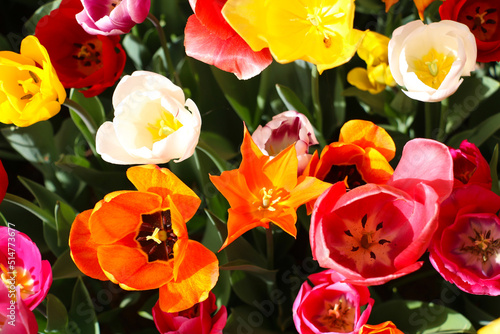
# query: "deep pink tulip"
197,319
283,130
15,316
112,17
32,276
375,233
469,166
210,39
464,249
331,306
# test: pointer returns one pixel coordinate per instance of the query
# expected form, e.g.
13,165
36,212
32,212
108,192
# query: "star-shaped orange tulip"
265,190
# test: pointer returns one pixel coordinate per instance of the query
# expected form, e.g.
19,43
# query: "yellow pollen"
266,200
433,68
164,126
19,277
158,236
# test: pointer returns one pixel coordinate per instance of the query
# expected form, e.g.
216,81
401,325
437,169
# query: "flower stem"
270,247
163,42
441,135
318,116
432,110
83,114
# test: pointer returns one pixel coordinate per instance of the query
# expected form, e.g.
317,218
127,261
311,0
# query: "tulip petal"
426,161
83,248
129,267
119,214
163,182
197,276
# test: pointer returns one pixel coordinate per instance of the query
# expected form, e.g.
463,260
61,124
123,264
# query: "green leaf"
57,316
52,239
82,314
64,267
239,93
94,109
145,310
34,209
292,101
136,51
49,200
494,171
370,102
479,134
248,288
43,10
218,144
268,275
416,317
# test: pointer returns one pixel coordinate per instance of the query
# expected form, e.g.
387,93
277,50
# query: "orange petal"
239,222
309,188
282,169
421,6
180,230
233,186
310,169
130,268
389,3
198,274
83,248
286,220
338,154
375,168
367,134
163,182
117,216
252,163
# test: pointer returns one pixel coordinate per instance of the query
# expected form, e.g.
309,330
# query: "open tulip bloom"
376,233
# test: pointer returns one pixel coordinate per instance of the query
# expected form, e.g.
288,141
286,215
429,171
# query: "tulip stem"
83,114
315,98
431,114
270,246
164,46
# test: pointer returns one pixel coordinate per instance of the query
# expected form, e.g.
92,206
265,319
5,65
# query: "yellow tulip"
373,50
491,328
318,31
30,90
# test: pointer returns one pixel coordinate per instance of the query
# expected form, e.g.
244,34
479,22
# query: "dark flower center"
156,236
482,244
347,173
88,55
481,19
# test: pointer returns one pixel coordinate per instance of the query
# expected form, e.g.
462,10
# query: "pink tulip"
32,276
283,130
15,316
469,166
464,249
375,233
112,17
331,305
197,319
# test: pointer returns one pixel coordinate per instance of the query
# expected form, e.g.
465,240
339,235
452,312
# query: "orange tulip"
265,190
387,327
361,156
138,239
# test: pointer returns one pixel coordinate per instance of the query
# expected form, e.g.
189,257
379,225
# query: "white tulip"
152,124
429,60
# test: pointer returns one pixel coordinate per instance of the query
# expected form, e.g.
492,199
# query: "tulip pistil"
483,23
482,245
338,316
433,67
31,86
164,126
156,236
19,277
267,200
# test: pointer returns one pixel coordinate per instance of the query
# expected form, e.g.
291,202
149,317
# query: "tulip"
200,318
22,266
289,127
429,60
331,305
30,90
464,249
153,122
115,17
375,233
469,166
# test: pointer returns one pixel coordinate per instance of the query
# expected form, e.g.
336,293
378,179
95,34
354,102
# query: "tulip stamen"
159,243
433,67
478,23
19,277
482,245
337,316
267,204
